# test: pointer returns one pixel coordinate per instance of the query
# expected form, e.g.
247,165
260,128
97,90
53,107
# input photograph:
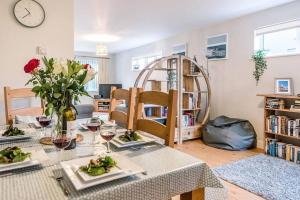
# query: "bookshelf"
189,78
282,126
102,105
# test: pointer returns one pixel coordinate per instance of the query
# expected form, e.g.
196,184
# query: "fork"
63,186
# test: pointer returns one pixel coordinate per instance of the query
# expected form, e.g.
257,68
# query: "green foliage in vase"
58,81
260,64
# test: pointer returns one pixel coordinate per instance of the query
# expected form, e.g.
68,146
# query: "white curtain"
103,70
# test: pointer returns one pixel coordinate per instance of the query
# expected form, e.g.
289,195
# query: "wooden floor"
217,157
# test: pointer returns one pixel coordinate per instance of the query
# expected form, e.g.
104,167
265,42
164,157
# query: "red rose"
86,66
31,65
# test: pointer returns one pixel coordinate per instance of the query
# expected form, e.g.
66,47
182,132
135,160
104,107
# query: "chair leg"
198,194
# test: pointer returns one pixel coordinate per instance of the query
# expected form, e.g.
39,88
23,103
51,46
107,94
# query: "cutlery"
62,184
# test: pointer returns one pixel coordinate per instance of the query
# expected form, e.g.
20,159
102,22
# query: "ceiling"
139,22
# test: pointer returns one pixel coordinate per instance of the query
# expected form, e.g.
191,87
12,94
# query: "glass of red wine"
61,141
108,132
93,125
44,121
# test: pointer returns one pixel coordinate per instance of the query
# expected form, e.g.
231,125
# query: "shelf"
283,110
165,69
187,109
195,126
193,75
194,92
161,81
155,117
281,135
278,96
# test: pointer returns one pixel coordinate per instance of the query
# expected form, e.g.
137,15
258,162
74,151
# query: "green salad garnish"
13,131
13,155
130,136
99,166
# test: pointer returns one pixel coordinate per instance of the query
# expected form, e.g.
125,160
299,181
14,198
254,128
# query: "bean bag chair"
229,133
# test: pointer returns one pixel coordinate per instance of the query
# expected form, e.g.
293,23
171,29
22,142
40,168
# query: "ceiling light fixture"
101,38
101,50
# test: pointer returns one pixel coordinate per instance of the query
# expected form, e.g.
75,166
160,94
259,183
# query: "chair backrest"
21,93
121,117
169,100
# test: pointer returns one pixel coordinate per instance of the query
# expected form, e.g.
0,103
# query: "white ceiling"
139,22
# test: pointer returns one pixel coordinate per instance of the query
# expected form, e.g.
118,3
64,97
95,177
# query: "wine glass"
93,125
108,132
61,141
44,121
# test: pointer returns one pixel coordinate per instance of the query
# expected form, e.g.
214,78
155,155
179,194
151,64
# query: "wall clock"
29,13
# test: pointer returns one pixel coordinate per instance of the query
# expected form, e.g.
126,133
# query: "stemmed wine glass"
93,125
61,141
108,132
44,121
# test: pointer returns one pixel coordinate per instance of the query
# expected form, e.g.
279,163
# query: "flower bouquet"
58,84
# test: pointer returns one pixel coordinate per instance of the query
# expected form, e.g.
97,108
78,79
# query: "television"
105,89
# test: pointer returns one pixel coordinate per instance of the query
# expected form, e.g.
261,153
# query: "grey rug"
269,177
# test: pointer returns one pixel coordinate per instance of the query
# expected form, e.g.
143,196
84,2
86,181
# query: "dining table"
167,173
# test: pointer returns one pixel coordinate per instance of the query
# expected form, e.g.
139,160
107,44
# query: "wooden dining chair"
122,117
21,93
168,100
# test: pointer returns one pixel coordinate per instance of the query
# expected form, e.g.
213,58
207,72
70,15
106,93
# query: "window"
138,63
280,39
94,62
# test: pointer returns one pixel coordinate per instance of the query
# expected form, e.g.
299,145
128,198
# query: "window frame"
287,25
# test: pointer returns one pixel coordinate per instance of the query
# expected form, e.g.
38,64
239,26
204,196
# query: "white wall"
233,86
18,44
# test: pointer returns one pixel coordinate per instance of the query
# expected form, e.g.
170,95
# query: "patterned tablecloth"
169,173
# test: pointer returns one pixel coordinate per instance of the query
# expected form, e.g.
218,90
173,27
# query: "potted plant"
58,84
260,64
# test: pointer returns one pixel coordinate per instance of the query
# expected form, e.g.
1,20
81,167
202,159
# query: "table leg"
197,194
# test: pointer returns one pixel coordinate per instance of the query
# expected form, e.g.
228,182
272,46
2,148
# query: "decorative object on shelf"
59,83
29,13
217,47
296,106
281,104
284,86
260,64
193,93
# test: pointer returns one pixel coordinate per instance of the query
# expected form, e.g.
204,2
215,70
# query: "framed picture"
284,86
180,49
217,47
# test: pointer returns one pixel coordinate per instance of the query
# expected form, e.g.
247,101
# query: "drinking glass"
93,125
108,132
61,141
44,121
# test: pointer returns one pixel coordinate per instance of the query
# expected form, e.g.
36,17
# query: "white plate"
117,139
120,144
85,177
27,136
28,162
129,168
84,127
